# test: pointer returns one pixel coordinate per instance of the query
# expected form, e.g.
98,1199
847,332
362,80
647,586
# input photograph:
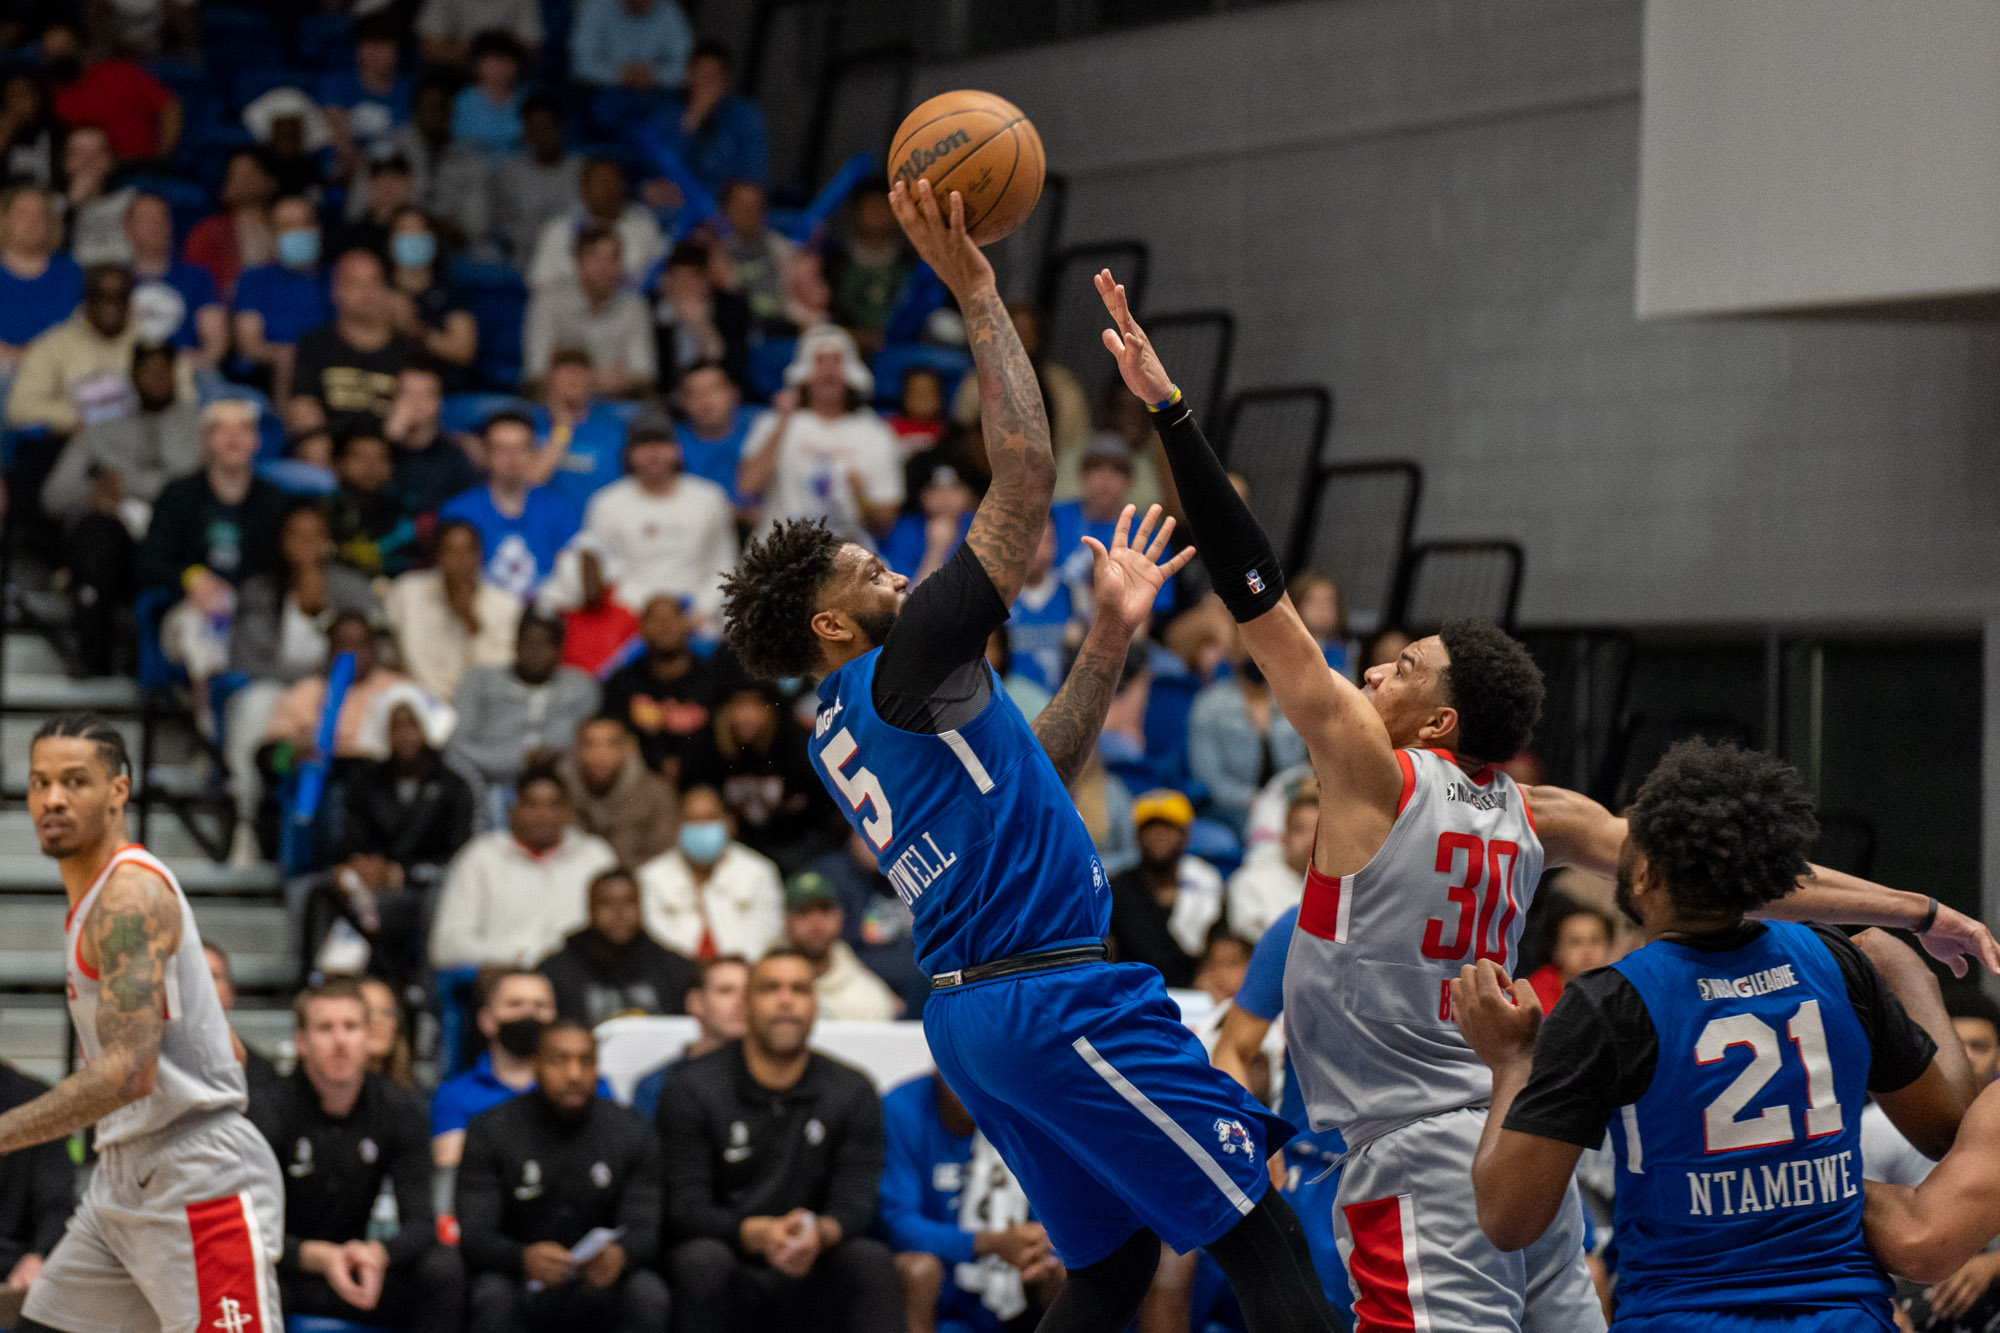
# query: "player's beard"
1621,892
876,625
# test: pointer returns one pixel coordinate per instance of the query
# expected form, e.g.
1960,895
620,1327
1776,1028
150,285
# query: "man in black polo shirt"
350,368
543,1176
360,1241
773,1164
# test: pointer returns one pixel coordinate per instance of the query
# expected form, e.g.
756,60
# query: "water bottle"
384,1222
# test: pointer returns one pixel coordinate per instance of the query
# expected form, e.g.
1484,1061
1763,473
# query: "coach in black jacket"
347,1138
37,1190
540,1173
773,1164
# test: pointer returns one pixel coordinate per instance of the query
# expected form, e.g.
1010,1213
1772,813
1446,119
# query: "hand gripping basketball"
937,229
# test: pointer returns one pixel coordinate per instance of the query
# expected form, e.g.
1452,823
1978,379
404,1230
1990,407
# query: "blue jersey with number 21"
972,826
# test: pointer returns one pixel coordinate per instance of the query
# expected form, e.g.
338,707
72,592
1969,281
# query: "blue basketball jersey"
1739,1170
973,826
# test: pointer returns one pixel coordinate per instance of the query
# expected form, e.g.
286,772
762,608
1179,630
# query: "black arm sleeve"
1233,545
1900,1050
1595,1053
932,674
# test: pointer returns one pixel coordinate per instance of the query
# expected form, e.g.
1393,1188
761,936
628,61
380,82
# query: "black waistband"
1043,960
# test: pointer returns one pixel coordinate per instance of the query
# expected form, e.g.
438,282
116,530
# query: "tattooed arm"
1125,580
1009,522
132,932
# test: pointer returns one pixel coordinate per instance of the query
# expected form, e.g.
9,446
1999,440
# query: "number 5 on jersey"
862,788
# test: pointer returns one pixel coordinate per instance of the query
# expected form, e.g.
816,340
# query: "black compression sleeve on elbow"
1231,541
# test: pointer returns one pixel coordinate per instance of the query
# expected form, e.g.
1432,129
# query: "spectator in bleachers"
449,179
666,695
431,465
239,236
511,1006
1219,974
93,212
711,895
447,28
292,735
291,129
1162,908
373,531
211,530
759,257
510,896
918,420
39,285
521,525
875,922
348,368
602,200
486,114
79,373
278,303
919,544
507,714
540,1173
1579,940
101,493
714,424
870,268
365,102
349,1139
612,966
1237,739
767,1223
667,533
844,988
823,453
37,1191
175,301
383,189
719,134
1068,408
697,322
593,310
426,308
258,1071
1273,879
1029,697
1041,629
754,753
449,618
615,795
27,130
1324,611
388,1036
581,437
536,183
1104,488
715,1002
634,44
970,1265
110,92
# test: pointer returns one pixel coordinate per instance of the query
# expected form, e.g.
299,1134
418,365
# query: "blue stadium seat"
768,360
466,411
251,81
498,301
312,1323
1168,704
890,364
1215,844
326,41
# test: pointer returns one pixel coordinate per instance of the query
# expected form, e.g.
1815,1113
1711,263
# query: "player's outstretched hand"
1499,1020
1955,937
1127,576
1138,363
936,227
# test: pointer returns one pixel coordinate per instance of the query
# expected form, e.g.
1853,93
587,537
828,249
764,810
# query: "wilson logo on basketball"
919,158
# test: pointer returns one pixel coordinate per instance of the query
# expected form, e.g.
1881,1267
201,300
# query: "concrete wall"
1430,206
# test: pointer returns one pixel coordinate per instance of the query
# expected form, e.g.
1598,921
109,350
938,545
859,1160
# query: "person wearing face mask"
542,1172
278,303
1238,740
711,895
755,755
513,1005
426,309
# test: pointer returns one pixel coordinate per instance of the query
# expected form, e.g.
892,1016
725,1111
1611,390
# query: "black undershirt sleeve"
932,675
1596,1052
1900,1050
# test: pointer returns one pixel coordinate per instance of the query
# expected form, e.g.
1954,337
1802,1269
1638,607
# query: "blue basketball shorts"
1873,1317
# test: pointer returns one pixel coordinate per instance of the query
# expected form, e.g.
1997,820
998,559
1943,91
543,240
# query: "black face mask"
520,1036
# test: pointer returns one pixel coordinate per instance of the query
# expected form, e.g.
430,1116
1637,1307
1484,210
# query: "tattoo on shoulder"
136,927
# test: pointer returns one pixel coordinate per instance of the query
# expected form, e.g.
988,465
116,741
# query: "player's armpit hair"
1495,686
768,603
1726,829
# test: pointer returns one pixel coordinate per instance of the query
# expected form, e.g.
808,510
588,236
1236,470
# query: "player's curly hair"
1495,686
768,603
1726,828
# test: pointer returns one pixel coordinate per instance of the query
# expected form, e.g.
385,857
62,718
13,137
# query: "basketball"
981,146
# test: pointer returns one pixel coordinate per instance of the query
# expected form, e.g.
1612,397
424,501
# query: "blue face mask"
702,843
298,249
413,249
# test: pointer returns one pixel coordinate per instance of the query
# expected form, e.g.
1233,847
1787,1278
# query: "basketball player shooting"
1079,1071
183,1218
1427,858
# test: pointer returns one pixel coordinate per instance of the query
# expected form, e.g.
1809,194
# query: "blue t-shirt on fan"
595,457
1038,632
32,306
716,459
292,303
521,548
1073,558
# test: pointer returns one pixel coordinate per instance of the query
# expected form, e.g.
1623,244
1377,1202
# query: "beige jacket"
435,647
639,816
72,376
848,990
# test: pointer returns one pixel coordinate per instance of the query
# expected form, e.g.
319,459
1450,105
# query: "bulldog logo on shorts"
1233,1137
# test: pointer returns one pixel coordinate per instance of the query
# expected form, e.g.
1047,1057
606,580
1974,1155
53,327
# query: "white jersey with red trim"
1367,981
198,1069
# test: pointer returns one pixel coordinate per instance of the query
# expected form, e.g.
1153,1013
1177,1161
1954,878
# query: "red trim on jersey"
130,852
1377,1265
1319,909
225,1265
82,966
1409,767
1479,779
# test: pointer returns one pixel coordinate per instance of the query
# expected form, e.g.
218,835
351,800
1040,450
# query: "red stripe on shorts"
1377,1266
225,1265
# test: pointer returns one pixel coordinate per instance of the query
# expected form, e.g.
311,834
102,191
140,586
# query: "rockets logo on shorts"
232,1319
1255,580
1233,1137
